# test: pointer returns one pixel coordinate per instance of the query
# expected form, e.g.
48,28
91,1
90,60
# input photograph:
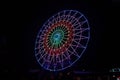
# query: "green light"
56,38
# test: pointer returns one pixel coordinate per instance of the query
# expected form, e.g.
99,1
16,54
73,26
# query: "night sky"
22,22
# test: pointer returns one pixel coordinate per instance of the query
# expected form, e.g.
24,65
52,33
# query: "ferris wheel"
62,40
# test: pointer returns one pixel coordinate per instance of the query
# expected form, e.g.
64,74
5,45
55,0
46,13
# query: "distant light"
115,70
118,78
113,75
68,73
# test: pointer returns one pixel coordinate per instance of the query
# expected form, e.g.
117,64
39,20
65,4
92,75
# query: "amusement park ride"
62,40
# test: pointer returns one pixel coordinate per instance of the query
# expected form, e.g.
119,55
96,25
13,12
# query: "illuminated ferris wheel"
62,40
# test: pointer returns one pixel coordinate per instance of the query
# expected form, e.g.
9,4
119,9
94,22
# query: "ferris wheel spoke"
80,16
64,16
54,62
40,37
60,60
45,29
81,37
75,46
40,48
77,25
66,55
50,23
51,58
79,45
48,57
84,37
43,55
75,41
84,29
53,20
69,17
69,59
74,52
38,52
83,22
72,19
38,58
74,22
43,63
60,18
80,30
48,61
57,17
69,13
40,42
75,14
77,33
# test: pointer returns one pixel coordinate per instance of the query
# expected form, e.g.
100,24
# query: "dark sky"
22,22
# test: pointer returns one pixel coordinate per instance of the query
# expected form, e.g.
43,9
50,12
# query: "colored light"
62,40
